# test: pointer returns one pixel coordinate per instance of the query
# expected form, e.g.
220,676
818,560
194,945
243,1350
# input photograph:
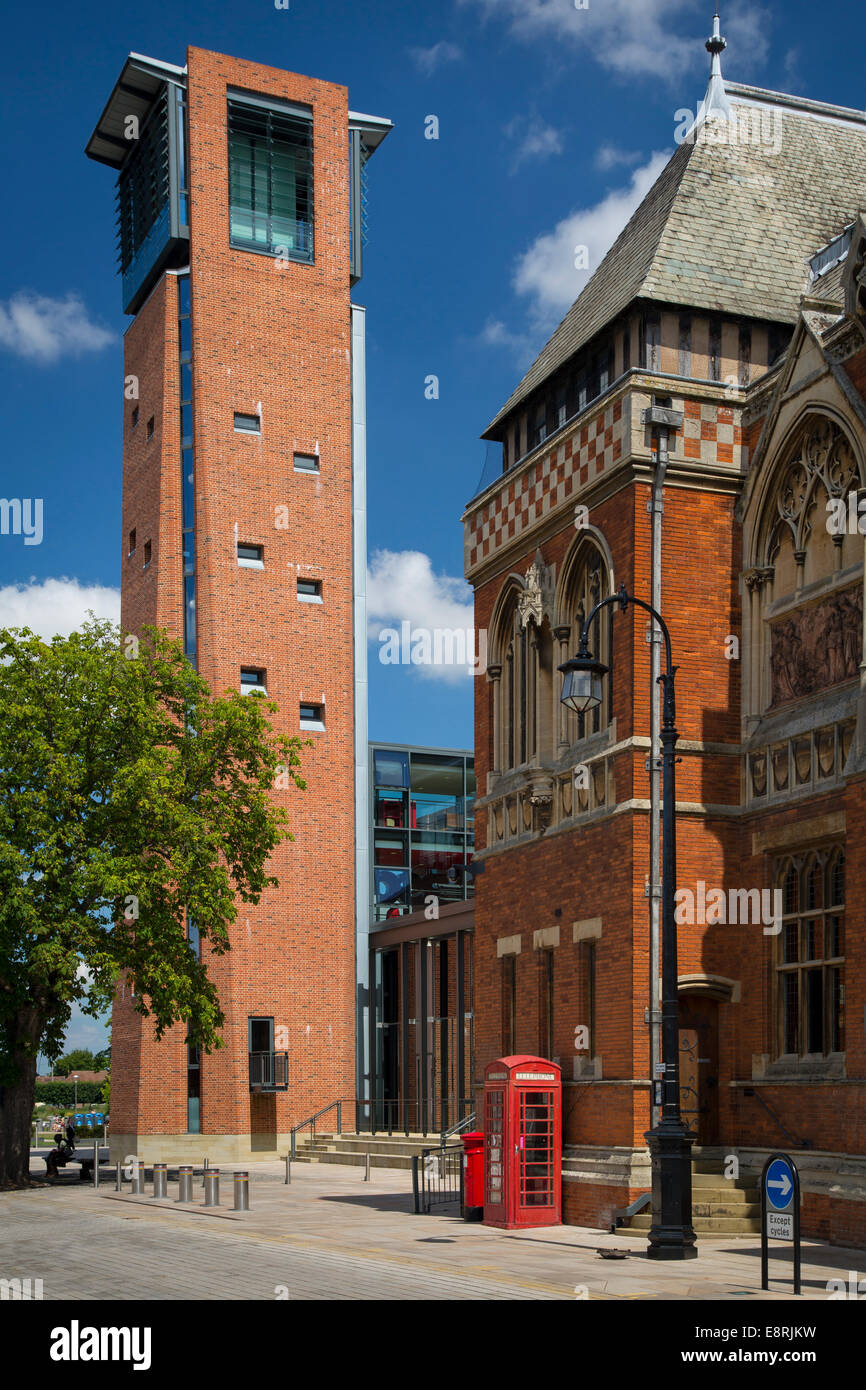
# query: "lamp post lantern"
672,1235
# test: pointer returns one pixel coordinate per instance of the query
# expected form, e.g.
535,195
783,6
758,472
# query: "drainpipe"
661,420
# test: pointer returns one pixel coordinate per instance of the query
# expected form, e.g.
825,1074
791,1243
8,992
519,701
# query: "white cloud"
43,330
533,139
610,156
56,606
429,59
547,274
644,38
402,588
496,334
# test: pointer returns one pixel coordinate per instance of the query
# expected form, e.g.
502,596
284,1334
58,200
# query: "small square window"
251,557
309,591
312,716
252,678
134,416
150,425
131,550
147,553
248,424
306,463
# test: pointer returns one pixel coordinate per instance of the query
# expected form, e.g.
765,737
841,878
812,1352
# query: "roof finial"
716,99
716,45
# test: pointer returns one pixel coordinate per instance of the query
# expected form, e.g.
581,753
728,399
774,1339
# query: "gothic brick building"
695,429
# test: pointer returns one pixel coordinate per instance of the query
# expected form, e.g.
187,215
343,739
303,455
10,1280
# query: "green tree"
79,1059
131,798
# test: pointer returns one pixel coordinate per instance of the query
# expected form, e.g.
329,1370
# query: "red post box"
522,1143
473,1175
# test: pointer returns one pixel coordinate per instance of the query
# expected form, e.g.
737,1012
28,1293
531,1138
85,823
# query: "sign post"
780,1211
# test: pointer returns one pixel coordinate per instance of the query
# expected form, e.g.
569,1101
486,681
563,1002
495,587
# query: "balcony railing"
269,1071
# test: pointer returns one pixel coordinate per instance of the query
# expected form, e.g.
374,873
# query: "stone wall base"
195,1148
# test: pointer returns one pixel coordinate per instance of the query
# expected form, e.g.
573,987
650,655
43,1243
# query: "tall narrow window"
685,345
715,361
270,178
745,356
193,1090
545,1048
509,1005
652,342
810,954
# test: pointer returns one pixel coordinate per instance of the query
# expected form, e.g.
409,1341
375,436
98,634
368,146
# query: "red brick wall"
277,340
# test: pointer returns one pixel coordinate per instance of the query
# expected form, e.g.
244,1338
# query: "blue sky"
553,122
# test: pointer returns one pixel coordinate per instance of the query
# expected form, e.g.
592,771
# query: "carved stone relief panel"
817,647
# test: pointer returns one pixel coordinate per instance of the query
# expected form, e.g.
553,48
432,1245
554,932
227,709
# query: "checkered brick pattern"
709,433
554,477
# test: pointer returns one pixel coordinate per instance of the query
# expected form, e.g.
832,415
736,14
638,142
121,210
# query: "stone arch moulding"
562,616
513,586
710,986
761,525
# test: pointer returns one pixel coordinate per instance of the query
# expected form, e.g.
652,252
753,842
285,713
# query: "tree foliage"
131,800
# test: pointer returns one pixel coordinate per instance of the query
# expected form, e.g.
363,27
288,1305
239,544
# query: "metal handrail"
456,1129
799,1143
311,1120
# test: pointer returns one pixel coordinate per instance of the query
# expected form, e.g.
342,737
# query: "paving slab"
331,1235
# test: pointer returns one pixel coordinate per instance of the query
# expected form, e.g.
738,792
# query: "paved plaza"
331,1235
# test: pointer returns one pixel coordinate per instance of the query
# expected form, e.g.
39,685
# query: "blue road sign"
79,1120
99,1117
779,1182
89,1117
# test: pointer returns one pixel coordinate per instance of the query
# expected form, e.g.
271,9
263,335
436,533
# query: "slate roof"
726,227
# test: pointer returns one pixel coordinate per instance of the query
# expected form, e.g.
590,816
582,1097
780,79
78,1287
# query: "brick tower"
239,207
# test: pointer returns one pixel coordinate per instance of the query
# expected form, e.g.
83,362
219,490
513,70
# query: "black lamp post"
671,1236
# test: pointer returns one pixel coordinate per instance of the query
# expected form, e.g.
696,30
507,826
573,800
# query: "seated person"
58,1157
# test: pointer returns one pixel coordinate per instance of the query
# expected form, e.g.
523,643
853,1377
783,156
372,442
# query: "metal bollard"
242,1192
138,1178
212,1187
367,1167
95,1162
204,1172
160,1178
118,1177
288,1168
184,1183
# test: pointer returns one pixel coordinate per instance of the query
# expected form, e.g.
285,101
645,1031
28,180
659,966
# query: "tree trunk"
16,1100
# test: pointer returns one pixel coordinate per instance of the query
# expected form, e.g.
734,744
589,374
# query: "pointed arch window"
589,587
810,962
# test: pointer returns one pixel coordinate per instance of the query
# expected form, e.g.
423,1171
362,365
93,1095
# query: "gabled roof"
727,227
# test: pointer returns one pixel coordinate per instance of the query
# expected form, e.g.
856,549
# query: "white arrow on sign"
784,1182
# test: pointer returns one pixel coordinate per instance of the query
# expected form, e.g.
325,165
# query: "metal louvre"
144,183
271,180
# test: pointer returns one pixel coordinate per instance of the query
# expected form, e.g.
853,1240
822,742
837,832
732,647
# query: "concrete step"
348,1158
363,1143
705,1225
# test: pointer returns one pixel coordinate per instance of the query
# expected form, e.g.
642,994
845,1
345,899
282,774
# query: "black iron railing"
437,1178
269,1071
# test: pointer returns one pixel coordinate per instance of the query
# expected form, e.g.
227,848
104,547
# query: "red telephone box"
522,1143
